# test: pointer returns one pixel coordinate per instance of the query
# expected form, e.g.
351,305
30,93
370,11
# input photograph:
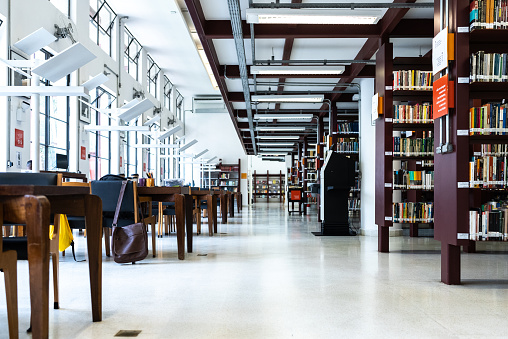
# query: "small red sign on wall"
121,162
18,138
144,167
83,153
443,96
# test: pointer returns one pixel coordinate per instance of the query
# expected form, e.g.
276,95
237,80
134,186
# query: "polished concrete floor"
266,276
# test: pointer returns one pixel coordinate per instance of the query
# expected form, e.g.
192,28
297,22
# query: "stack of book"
414,146
412,80
489,119
348,145
347,127
413,212
488,14
489,222
488,67
403,179
413,114
488,172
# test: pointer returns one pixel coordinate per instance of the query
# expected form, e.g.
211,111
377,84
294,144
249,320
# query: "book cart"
404,144
470,181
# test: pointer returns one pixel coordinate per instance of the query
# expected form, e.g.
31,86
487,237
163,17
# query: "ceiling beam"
198,18
233,72
409,28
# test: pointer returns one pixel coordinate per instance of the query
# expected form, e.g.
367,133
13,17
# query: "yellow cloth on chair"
66,237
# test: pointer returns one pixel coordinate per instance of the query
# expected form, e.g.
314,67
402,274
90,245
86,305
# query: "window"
102,19
168,89
132,154
152,158
179,106
132,53
62,5
54,126
153,77
100,149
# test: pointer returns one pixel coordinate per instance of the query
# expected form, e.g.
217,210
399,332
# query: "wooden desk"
211,206
32,205
183,209
238,197
224,201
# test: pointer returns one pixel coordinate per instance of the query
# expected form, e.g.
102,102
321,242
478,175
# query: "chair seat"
18,244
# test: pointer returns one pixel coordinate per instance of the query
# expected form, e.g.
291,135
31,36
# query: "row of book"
488,172
488,14
489,119
426,163
404,179
488,67
412,80
489,222
492,149
354,204
228,183
348,127
413,114
411,147
348,145
413,212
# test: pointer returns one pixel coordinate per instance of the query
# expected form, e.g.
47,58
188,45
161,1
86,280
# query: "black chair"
130,212
168,212
19,244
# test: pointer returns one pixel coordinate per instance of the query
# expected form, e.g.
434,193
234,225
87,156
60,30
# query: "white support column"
35,126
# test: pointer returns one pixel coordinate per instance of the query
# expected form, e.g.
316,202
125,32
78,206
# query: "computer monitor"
62,161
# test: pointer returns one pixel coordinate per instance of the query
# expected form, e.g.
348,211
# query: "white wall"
367,156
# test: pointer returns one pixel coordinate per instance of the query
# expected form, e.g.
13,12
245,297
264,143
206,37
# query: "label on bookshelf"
388,153
462,236
462,132
388,184
477,154
388,120
463,184
463,29
388,218
418,162
389,88
463,80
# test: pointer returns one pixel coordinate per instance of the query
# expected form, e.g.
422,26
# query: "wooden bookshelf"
454,196
268,186
223,177
404,110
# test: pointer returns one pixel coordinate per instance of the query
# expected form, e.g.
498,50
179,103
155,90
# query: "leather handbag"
128,243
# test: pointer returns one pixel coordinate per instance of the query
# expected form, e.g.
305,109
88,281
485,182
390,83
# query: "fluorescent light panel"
170,132
136,110
200,153
35,41
278,70
152,120
209,161
283,116
328,16
285,149
280,129
278,137
276,144
272,153
311,98
95,82
187,145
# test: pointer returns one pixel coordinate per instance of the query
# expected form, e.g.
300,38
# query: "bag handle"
119,203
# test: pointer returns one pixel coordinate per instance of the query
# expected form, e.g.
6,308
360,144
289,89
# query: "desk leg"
238,202
37,221
232,206
180,224
214,210
209,207
188,221
224,208
93,224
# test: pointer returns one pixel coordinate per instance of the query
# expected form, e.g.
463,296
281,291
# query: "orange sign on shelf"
296,195
442,97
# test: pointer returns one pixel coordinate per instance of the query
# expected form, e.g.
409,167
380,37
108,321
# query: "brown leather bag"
128,243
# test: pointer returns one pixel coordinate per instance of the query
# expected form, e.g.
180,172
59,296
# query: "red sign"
295,195
121,162
18,138
442,96
83,153
144,167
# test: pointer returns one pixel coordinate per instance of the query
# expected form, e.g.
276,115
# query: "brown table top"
162,190
202,192
16,190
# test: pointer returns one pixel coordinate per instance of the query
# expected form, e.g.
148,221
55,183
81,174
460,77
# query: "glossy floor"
266,276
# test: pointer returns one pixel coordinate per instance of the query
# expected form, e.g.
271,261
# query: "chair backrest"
38,179
109,191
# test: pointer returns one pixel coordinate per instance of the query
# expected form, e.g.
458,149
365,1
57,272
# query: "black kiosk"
337,178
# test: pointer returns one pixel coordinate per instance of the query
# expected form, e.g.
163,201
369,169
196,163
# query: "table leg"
93,224
238,202
232,206
224,208
180,224
37,221
214,211
209,207
188,221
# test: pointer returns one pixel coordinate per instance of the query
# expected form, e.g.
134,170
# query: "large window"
153,77
179,106
132,53
54,127
132,154
152,156
100,148
168,89
102,19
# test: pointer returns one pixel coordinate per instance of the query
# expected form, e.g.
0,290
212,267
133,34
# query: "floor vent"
127,333
202,254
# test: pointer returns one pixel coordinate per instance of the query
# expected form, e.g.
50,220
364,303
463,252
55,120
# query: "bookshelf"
268,186
404,145
309,163
223,177
466,179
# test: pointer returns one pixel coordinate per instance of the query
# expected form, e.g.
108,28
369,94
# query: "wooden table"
224,202
183,209
32,205
211,206
238,197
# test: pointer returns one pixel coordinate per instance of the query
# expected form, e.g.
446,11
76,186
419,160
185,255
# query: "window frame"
95,23
152,80
167,92
127,56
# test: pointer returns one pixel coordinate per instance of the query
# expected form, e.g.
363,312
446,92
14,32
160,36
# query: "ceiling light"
282,116
276,149
152,120
133,111
312,98
276,143
200,153
278,137
95,82
277,70
209,161
280,129
187,145
313,16
272,153
170,132
35,41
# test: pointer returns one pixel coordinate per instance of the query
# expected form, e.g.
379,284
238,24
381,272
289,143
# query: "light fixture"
280,129
200,153
272,153
155,146
278,70
283,116
276,149
278,137
64,63
341,16
170,132
311,98
273,158
117,128
95,82
152,120
180,139
48,91
133,111
276,143
35,41
209,161
187,145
